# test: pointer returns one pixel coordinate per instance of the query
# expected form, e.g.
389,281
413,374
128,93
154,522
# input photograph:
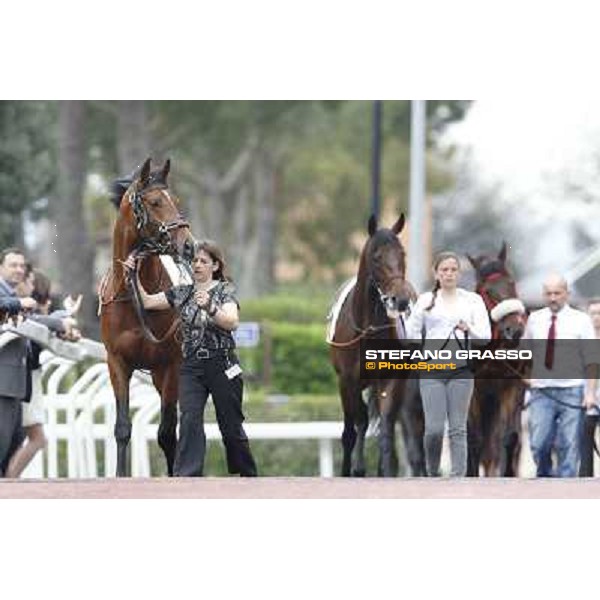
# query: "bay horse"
370,311
148,224
494,423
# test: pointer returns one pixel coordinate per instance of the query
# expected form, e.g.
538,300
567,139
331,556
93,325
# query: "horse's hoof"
359,472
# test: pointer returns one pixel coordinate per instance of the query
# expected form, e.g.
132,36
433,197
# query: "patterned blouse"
199,330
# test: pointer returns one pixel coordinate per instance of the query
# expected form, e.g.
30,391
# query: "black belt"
208,353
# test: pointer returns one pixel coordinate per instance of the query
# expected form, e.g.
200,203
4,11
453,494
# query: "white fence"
83,418
81,415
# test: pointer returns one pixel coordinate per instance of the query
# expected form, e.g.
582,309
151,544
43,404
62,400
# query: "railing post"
326,457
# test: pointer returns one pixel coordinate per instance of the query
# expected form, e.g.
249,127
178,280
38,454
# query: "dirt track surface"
300,488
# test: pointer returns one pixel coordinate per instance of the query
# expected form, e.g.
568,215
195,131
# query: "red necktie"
549,360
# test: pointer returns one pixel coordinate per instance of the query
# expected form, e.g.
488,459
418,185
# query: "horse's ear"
502,253
473,261
398,226
372,226
165,170
145,173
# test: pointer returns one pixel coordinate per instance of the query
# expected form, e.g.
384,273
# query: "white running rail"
80,416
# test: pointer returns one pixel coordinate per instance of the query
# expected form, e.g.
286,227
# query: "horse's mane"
121,185
118,188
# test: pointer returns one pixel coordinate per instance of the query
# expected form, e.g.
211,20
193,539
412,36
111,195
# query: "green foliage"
293,335
286,308
297,359
27,161
327,179
319,153
301,359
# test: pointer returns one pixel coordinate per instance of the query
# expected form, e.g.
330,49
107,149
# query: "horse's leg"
166,382
492,453
511,438
120,374
362,422
495,427
474,434
412,422
388,411
349,433
356,421
510,442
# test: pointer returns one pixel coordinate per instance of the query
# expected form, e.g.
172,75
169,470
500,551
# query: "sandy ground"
300,488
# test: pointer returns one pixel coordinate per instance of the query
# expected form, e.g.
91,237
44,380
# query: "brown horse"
370,311
148,224
494,425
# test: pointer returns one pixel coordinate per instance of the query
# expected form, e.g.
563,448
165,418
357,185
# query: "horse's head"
385,264
497,287
151,213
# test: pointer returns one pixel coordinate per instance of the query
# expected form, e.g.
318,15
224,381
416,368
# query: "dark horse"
370,311
148,224
494,425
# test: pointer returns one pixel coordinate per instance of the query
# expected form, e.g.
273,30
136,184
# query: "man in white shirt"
557,404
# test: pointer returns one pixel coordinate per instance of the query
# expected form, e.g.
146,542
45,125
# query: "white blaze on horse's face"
395,303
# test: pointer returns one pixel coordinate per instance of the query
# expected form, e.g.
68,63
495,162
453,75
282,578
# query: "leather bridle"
160,242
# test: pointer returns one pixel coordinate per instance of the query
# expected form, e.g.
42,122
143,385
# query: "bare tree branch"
240,165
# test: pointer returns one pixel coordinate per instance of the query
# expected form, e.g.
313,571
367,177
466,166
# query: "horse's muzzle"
187,252
403,304
510,332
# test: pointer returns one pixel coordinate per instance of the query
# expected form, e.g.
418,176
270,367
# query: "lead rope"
524,406
141,311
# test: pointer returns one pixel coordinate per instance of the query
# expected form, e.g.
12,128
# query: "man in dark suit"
15,375
13,356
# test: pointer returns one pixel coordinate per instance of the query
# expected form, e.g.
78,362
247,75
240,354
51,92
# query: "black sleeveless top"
198,329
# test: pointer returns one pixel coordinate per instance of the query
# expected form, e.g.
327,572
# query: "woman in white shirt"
448,317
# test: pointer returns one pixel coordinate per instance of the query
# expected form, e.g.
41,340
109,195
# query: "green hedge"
301,360
298,356
286,308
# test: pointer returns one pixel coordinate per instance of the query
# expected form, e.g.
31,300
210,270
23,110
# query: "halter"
159,243
493,301
490,300
162,243
385,298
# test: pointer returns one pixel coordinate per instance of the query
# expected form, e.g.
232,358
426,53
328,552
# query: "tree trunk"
74,251
215,210
133,140
264,185
239,237
191,208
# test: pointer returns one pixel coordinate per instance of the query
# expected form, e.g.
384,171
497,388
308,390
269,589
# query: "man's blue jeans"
555,421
